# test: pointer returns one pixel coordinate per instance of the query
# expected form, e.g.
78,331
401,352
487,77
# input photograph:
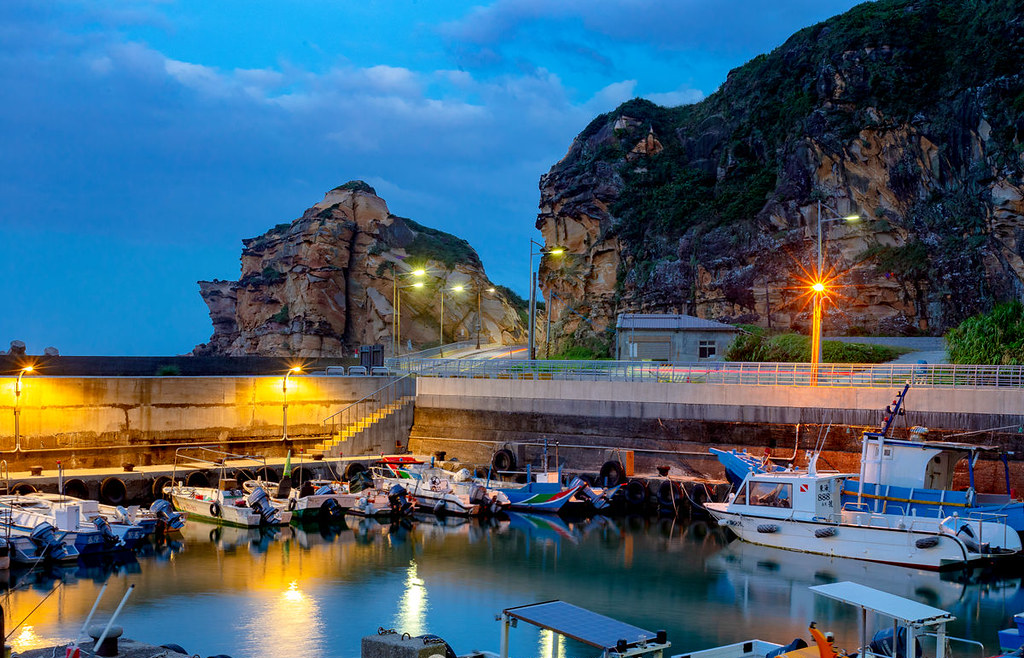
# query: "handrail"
857,375
367,397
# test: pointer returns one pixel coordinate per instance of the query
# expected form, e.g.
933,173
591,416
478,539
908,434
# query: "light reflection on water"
314,591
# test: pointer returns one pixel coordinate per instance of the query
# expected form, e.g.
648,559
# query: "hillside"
908,113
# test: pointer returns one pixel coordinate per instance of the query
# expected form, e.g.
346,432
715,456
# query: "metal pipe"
110,623
96,603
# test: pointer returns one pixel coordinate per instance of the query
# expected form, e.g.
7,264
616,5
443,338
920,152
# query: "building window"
708,349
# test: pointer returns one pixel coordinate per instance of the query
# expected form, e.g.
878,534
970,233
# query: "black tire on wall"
197,479
636,493
503,460
612,473
22,488
113,491
157,488
267,474
76,488
354,469
243,475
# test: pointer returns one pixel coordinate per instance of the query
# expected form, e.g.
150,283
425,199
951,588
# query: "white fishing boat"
439,490
33,538
226,503
113,522
802,511
909,625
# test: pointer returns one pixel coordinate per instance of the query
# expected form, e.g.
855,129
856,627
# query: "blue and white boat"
32,538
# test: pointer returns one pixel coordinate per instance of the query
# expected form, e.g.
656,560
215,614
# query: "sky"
142,140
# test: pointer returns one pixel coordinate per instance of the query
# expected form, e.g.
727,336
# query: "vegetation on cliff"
996,337
432,244
925,96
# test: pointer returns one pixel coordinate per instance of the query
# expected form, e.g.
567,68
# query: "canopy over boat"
905,611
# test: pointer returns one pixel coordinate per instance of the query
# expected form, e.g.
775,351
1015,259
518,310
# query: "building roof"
674,322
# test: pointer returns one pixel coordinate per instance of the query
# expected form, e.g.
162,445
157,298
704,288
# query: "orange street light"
531,353
17,407
284,410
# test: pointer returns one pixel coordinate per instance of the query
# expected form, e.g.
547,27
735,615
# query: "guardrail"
757,374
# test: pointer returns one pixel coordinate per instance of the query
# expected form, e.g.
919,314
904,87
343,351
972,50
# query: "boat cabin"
813,494
916,463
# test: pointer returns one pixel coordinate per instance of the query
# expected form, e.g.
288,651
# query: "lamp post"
543,251
396,305
284,410
818,287
479,316
17,407
441,323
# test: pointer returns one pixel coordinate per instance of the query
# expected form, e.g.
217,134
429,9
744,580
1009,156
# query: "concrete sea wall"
106,420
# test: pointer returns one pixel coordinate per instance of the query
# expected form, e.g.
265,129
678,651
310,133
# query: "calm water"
318,592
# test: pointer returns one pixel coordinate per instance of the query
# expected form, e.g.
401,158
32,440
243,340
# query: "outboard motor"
881,644
109,538
399,503
45,539
331,511
165,514
260,502
478,495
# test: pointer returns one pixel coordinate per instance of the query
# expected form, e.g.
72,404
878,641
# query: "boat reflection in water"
223,590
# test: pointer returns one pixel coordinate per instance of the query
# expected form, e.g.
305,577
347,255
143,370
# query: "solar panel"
580,624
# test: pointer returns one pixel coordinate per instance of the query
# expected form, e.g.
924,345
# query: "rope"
55,588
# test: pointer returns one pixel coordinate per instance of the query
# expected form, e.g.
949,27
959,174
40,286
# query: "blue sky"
142,140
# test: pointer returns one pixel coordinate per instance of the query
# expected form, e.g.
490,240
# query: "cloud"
681,96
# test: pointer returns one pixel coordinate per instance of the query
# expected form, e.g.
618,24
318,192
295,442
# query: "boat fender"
503,460
767,528
612,473
822,533
927,542
292,504
636,493
215,509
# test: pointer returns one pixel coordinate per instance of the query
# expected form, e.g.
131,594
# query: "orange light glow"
818,287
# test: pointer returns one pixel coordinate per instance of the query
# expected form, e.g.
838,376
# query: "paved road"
929,349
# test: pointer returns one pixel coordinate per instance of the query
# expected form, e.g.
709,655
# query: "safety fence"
757,374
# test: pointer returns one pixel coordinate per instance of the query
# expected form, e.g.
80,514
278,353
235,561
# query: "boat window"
741,495
771,494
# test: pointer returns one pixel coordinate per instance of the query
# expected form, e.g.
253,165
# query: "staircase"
380,422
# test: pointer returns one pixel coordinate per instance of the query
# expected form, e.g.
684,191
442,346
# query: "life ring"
503,460
292,503
612,473
215,509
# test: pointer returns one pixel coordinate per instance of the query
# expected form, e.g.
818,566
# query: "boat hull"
226,514
904,547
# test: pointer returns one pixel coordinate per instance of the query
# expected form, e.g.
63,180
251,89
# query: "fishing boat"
911,623
542,492
908,477
226,503
437,489
32,539
802,511
126,524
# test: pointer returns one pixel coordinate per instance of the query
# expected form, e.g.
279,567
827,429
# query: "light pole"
17,407
396,305
543,251
443,288
818,286
284,410
479,317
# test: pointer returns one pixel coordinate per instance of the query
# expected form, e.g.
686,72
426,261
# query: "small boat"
801,511
32,539
542,492
437,489
226,503
123,523
911,621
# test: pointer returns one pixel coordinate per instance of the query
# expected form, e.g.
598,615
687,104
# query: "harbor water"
316,591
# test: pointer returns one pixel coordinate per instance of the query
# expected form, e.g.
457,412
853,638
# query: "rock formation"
908,113
322,285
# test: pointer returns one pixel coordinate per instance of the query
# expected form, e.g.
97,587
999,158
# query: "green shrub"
281,317
994,338
271,276
358,186
796,348
168,371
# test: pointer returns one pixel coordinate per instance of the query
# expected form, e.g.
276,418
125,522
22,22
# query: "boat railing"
951,638
209,456
990,517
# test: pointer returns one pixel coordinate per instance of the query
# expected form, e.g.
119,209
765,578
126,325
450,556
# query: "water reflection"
229,590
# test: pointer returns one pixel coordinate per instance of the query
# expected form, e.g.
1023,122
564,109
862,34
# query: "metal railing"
448,350
392,392
757,374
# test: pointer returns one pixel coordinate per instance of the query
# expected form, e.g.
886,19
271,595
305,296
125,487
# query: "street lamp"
17,407
440,345
479,316
819,288
284,391
396,305
543,251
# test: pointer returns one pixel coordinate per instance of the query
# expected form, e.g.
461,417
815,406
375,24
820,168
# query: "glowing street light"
17,407
819,288
543,251
284,410
479,316
396,305
440,345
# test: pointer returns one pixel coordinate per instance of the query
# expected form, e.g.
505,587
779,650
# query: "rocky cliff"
323,284
908,113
